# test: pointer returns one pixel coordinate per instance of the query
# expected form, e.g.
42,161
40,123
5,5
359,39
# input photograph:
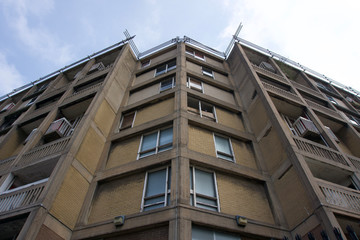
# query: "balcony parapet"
5,164
269,74
281,92
37,112
355,161
82,93
307,89
323,109
94,75
339,196
23,196
36,154
319,150
54,92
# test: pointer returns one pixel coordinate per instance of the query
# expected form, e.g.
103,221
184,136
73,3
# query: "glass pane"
206,201
191,179
166,136
226,157
226,236
166,84
222,145
171,65
154,200
201,234
149,142
199,205
160,70
204,183
156,183
153,207
127,120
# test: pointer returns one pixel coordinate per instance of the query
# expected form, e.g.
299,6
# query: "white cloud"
321,35
10,78
37,39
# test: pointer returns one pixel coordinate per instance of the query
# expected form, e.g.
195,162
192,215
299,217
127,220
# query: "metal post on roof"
132,44
231,44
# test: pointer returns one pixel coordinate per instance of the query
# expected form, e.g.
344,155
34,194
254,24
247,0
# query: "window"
145,63
31,101
223,148
127,120
195,84
332,100
203,109
203,189
156,189
200,233
155,142
196,54
165,68
167,84
208,72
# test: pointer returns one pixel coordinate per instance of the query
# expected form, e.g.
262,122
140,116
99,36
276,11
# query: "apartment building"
180,142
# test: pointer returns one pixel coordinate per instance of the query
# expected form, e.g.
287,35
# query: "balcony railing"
44,151
319,150
281,92
323,109
84,92
22,196
307,89
340,196
5,164
270,74
355,161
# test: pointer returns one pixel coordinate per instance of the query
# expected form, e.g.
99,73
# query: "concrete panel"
293,198
118,197
143,77
154,111
144,93
218,93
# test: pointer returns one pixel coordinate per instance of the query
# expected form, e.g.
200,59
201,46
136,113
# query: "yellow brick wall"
293,198
90,150
144,93
218,93
229,119
154,111
247,198
244,154
123,152
201,140
118,197
104,117
69,199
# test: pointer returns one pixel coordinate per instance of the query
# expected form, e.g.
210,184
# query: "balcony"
305,127
43,151
269,74
355,161
82,93
323,109
281,92
320,151
339,196
5,164
27,195
306,89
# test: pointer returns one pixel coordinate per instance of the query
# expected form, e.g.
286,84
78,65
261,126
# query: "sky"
38,37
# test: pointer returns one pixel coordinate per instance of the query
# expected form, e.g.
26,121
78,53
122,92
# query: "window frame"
200,109
193,52
220,154
167,68
193,193
206,72
145,63
166,193
121,128
172,84
157,147
190,83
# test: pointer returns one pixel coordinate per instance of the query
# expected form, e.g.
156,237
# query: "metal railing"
43,151
85,91
4,164
270,74
355,161
319,150
321,108
340,196
22,196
